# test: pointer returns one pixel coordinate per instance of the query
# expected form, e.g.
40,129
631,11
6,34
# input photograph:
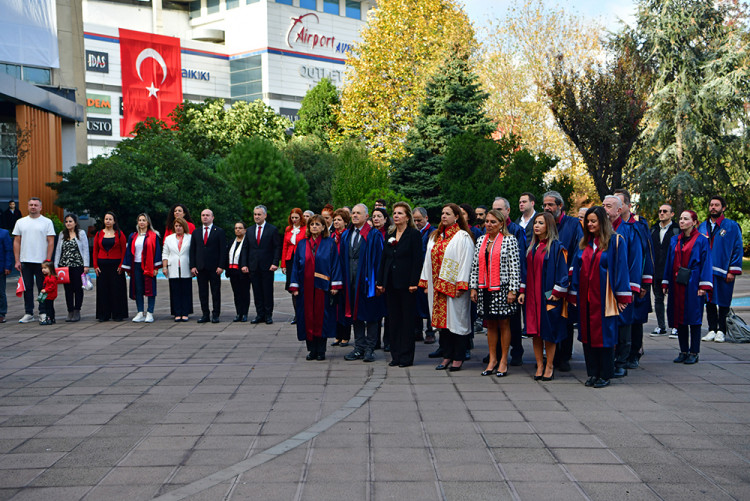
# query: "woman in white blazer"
176,262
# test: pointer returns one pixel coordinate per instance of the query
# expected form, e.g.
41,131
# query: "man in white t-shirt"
33,244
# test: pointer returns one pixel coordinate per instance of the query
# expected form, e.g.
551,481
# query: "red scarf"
493,266
314,298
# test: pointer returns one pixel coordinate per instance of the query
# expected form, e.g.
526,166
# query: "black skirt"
111,291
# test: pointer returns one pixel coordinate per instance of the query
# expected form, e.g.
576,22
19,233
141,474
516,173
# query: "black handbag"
683,276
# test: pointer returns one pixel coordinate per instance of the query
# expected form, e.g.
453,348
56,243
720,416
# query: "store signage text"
317,72
300,33
98,103
196,74
97,61
99,126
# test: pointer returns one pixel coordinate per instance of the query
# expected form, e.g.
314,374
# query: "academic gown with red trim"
589,287
684,306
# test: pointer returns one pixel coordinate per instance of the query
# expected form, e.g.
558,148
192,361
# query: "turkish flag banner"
151,67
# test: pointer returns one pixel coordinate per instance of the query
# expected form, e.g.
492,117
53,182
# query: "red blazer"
287,248
116,252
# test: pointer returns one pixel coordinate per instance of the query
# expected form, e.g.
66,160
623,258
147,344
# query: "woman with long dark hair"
73,251
495,281
688,278
111,286
142,261
543,291
294,232
178,210
445,276
600,286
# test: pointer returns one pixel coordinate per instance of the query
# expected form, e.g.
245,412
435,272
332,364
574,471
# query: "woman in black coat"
238,271
398,277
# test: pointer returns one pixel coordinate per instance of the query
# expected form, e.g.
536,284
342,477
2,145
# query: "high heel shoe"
538,378
552,376
489,372
455,368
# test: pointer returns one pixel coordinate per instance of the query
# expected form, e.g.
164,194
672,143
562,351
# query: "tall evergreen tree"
697,132
318,111
453,105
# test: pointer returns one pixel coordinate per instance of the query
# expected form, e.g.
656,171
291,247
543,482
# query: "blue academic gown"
366,306
327,277
554,280
635,265
570,233
642,306
726,256
613,263
700,278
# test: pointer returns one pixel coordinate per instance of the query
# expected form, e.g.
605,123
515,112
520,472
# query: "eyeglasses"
661,211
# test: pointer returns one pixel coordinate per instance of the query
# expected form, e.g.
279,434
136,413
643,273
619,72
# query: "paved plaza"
110,411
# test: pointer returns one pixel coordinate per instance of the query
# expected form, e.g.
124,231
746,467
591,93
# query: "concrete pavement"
233,411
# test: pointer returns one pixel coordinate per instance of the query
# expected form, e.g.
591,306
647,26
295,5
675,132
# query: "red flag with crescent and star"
151,69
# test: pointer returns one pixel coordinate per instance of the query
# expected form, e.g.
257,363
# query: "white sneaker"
711,336
149,318
719,337
42,317
139,317
658,332
673,334
26,319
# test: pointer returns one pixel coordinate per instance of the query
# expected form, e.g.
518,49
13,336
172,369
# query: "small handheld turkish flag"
63,274
21,287
151,67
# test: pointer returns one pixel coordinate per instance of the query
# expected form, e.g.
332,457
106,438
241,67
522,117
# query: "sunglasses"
661,211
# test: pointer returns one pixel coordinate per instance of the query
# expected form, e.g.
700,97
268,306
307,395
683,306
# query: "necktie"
355,239
258,239
205,235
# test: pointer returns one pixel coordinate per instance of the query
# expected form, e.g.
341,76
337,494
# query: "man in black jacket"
263,261
208,256
661,234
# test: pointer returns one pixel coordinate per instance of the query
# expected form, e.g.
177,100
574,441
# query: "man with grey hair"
361,248
423,310
570,233
263,259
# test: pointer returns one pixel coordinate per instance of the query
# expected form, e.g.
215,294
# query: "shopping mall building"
274,50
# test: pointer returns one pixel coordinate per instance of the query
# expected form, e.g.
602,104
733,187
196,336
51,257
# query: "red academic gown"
545,275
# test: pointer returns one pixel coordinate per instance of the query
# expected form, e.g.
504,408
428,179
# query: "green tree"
263,175
600,109
147,174
210,128
318,112
403,43
356,175
696,137
313,159
453,105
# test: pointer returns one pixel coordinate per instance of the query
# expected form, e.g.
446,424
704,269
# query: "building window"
212,6
331,6
195,9
308,4
248,2
246,79
233,4
39,76
11,69
353,9
285,2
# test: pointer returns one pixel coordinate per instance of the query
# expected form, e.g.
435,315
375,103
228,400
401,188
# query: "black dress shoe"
257,320
516,361
590,381
632,364
310,356
563,366
392,363
436,354
620,372
269,320
455,368
691,359
336,343
601,383
344,344
404,365
204,319
538,378
238,318
680,358
244,318
215,320
320,357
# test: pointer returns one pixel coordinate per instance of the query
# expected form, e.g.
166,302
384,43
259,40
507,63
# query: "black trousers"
564,350
402,307
365,335
74,290
32,272
317,346
636,342
262,282
622,350
206,278
343,332
240,283
453,345
694,337
111,291
49,308
181,296
599,361
717,321
659,306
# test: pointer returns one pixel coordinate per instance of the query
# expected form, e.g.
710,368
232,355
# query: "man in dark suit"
263,261
661,236
208,255
526,204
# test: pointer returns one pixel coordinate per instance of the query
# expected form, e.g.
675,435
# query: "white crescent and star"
151,53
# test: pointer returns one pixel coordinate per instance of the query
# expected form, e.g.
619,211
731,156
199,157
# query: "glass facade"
40,76
308,4
353,9
233,4
195,9
331,7
212,6
8,161
245,78
285,2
